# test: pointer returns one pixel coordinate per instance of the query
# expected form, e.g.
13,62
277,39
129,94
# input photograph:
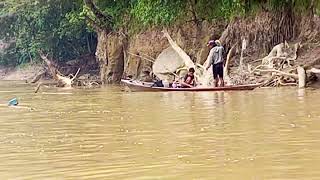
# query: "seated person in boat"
158,84
189,81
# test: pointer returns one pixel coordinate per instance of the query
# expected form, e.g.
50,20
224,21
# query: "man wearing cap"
215,59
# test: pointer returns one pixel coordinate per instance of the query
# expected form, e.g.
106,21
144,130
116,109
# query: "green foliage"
228,9
140,12
119,10
58,27
157,12
52,26
7,56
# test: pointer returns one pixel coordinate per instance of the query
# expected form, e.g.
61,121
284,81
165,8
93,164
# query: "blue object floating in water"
13,102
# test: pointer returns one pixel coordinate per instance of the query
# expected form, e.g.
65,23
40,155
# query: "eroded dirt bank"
132,55
122,55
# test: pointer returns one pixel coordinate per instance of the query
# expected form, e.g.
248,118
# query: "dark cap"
211,43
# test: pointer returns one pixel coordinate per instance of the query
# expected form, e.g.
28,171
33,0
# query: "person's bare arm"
186,84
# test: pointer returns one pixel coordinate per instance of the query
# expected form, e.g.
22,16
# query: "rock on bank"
122,55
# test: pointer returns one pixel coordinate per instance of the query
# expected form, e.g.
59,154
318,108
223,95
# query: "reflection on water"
110,134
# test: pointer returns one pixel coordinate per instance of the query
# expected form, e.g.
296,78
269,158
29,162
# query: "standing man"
215,59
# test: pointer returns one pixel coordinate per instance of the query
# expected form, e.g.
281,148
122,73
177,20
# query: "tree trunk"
110,54
102,53
37,77
302,77
111,62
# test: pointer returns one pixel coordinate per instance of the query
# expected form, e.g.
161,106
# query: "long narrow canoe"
145,86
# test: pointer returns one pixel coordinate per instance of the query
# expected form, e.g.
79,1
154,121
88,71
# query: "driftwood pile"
60,80
279,68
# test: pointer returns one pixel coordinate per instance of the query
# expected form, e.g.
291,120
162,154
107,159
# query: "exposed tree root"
61,80
279,68
314,70
278,72
226,67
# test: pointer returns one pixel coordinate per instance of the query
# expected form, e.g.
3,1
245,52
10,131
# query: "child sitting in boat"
189,81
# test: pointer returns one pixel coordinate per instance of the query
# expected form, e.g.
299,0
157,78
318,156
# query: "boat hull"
143,86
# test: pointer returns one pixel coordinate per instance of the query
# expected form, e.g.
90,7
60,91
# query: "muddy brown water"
110,134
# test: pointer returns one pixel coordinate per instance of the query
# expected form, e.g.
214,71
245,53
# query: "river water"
112,134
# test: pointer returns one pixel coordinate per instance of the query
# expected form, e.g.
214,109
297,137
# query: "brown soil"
262,33
20,73
87,64
120,55
150,43
309,56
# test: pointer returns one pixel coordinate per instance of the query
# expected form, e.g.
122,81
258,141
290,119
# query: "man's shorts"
217,70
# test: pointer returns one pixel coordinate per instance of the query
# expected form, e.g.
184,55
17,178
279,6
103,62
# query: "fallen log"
37,88
37,77
295,76
314,70
62,80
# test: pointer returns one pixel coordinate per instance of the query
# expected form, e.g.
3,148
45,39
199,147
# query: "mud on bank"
122,55
19,73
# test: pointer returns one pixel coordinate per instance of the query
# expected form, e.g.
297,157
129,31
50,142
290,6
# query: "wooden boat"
146,86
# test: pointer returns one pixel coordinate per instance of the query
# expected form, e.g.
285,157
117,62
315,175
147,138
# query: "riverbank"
267,55
21,73
273,42
307,55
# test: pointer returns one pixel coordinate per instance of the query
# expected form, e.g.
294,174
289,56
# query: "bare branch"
75,75
226,71
147,59
314,70
105,18
295,76
93,23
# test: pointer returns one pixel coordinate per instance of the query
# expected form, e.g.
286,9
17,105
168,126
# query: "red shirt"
189,79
